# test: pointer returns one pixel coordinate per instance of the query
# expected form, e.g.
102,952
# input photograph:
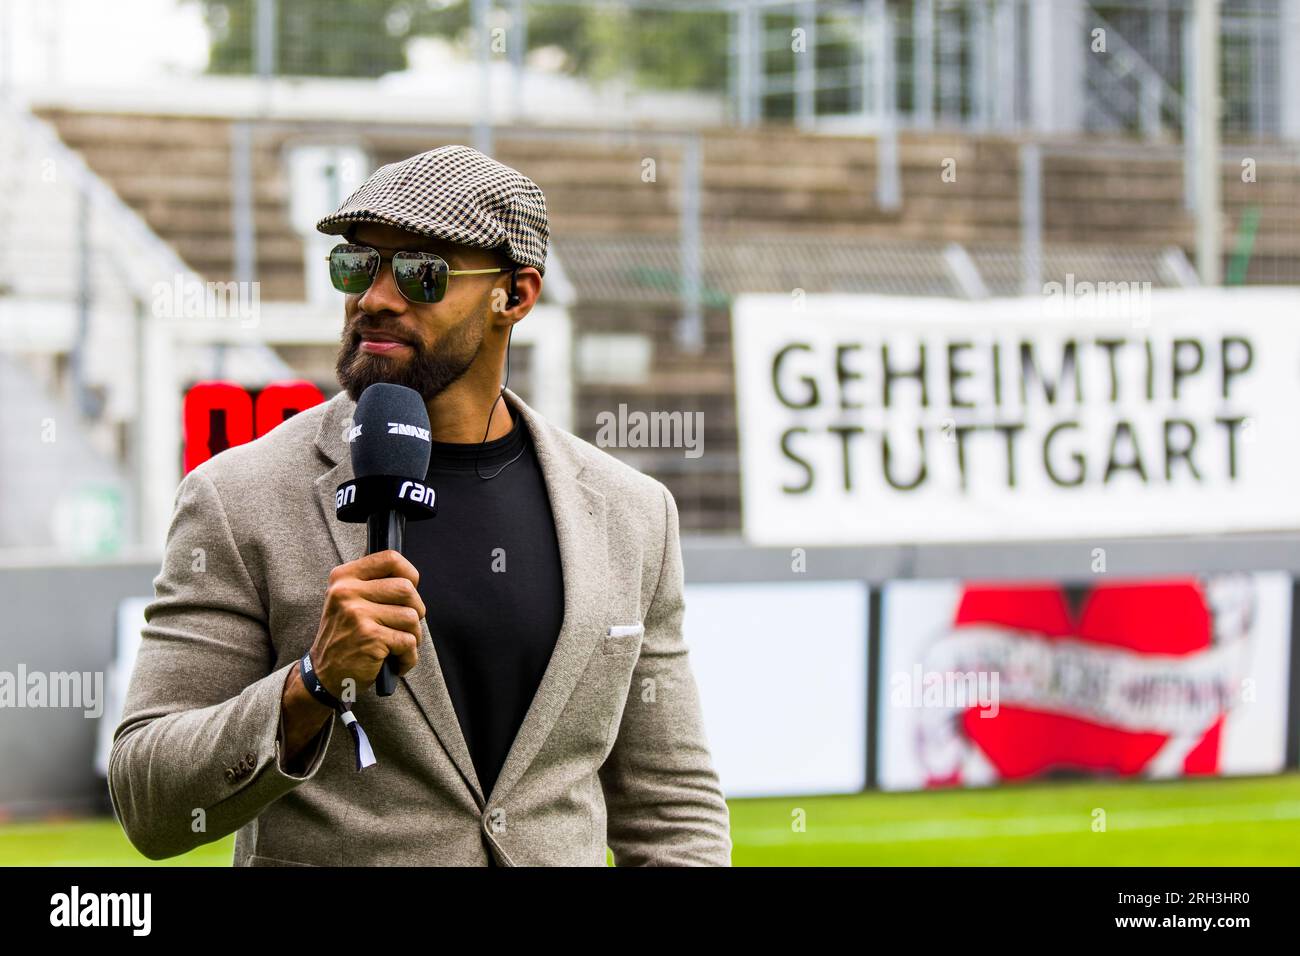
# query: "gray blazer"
612,750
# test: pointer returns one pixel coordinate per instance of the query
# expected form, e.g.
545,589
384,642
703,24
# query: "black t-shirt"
492,587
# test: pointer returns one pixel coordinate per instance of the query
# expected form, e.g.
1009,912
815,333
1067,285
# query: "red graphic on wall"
1124,679
220,415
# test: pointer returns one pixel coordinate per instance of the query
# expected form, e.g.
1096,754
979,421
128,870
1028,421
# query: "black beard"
425,371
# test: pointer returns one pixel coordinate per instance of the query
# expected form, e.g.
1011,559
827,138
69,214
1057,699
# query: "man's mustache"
378,331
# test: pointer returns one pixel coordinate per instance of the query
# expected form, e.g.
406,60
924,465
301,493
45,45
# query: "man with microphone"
544,706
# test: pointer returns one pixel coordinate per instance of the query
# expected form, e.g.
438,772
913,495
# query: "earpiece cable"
492,410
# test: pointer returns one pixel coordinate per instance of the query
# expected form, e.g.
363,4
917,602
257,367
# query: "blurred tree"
361,38
367,38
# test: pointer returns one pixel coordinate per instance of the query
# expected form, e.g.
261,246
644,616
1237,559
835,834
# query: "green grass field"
1184,823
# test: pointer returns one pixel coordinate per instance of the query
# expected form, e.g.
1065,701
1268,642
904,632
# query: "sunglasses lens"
352,268
421,277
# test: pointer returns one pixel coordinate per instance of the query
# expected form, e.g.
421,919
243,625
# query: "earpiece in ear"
513,300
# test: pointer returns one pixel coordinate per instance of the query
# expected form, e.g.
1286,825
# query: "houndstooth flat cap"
454,193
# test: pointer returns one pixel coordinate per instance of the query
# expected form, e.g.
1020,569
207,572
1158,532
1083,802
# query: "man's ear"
519,277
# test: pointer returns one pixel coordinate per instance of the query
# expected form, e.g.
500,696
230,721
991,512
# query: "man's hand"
372,609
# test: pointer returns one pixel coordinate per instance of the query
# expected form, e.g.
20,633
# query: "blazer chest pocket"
624,638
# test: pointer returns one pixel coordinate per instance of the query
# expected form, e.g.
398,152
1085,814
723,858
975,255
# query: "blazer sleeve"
197,753
664,801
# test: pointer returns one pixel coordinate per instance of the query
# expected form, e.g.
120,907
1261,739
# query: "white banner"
875,419
782,672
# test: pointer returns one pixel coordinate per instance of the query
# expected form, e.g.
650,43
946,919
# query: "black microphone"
390,446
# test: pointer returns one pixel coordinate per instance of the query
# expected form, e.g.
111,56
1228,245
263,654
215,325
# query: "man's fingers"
407,660
383,564
397,591
399,617
402,645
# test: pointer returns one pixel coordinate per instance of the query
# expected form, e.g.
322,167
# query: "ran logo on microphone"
417,492
102,909
398,428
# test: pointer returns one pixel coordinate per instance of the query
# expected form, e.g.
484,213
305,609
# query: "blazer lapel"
579,512
425,683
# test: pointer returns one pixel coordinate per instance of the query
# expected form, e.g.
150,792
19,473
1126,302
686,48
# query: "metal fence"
1006,65
1109,150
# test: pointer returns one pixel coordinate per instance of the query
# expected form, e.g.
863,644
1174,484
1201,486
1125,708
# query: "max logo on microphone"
398,428
394,428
